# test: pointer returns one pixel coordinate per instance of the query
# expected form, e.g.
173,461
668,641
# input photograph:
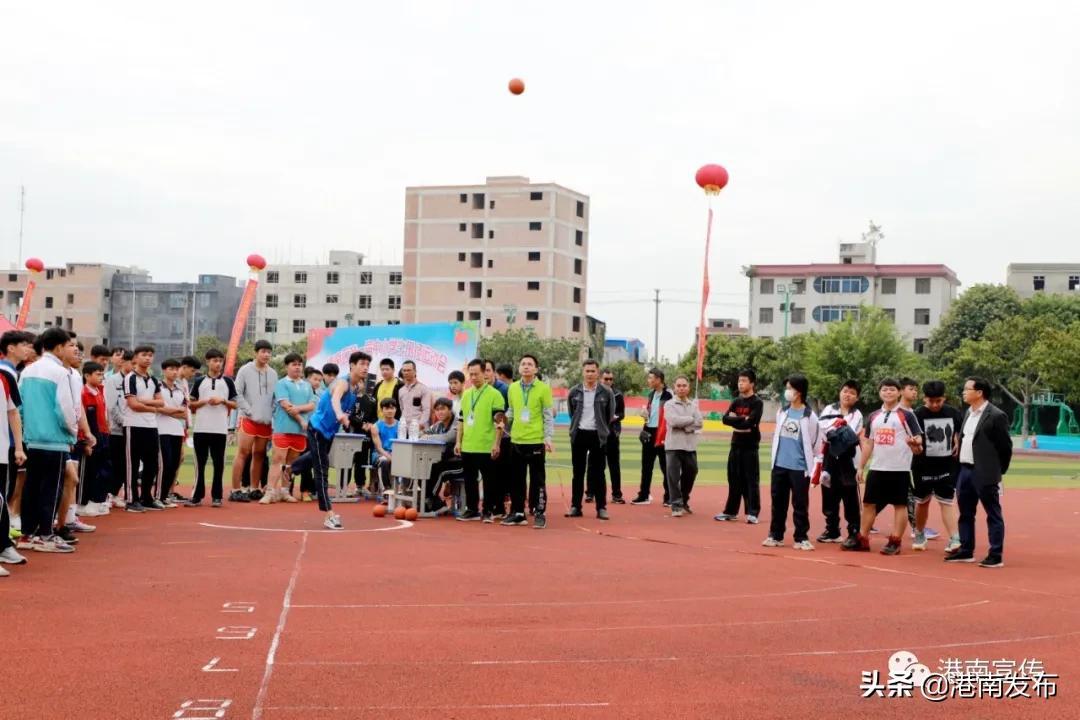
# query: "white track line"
573,603
477,663
369,708
401,525
286,603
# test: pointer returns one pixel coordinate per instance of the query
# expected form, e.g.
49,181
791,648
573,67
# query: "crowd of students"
83,438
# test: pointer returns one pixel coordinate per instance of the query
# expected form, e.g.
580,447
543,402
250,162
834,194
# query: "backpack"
840,439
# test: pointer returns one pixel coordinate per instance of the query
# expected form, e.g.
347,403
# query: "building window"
575,324
842,284
577,266
331,299
395,278
478,201
489,292
365,302
300,278
577,295
766,285
107,293
476,260
48,301
365,278
331,323
392,322
394,302
536,195
491,234
1038,282
461,287
765,315
833,313
149,301
922,316
105,318
798,286
534,257
463,197
888,286
333,278
271,301
71,299
272,276
919,345
1074,282
299,326
204,300
533,285
364,323
461,315
580,209
532,315
49,276
299,301
922,286
579,237
476,290
798,316
270,325
462,227
461,257
487,322
491,263
890,313
478,230
536,226
491,204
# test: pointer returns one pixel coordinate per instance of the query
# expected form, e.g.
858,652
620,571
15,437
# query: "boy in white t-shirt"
212,398
171,423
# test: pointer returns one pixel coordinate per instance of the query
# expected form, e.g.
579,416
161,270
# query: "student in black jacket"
612,447
743,472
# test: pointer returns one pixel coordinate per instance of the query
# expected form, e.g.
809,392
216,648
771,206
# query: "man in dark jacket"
652,437
614,469
985,454
592,409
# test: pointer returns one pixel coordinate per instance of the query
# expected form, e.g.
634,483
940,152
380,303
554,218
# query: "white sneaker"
952,545
102,508
16,523
268,498
804,545
11,556
4,572
51,544
772,542
81,527
332,523
85,511
118,503
751,520
286,496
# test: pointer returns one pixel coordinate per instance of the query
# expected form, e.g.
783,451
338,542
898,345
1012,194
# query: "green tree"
867,349
629,376
1059,349
557,356
726,356
786,356
1061,310
968,318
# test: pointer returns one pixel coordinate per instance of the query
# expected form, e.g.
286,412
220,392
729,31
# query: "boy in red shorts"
256,383
294,400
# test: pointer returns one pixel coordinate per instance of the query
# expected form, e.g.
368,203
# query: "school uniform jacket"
808,432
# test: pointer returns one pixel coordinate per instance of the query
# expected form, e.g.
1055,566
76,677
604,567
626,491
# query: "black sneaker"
154,505
237,496
588,498
539,522
850,543
959,556
193,503
686,509
618,500
215,503
66,534
573,512
255,495
827,538
891,548
602,514
134,507
641,500
992,561
488,518
468,516
515,519
177,497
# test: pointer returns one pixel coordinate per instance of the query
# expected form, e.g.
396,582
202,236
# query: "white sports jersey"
890,431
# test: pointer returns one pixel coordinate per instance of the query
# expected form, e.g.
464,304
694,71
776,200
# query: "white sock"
16,522
70,519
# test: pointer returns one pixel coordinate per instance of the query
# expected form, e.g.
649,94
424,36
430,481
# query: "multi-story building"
1029,279
792,299
76,297
508,253
619,349
172,316
293,299
729,327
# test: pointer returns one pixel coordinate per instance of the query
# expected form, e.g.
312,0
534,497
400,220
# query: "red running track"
641,617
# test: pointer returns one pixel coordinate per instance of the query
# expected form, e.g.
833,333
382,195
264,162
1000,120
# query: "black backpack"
841,439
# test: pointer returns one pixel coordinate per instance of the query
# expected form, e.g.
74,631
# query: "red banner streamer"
704,301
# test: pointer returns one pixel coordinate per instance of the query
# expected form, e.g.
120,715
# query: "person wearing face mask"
794,448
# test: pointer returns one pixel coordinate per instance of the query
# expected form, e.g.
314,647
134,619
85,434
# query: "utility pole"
656,327
786,289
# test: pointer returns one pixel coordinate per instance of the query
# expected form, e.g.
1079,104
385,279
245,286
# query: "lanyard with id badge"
525,402
471,419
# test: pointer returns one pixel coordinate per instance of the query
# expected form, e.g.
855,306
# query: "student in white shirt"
171,423
212,398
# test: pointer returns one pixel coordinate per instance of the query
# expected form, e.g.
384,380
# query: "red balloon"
256,262
34,264
712,178
517,86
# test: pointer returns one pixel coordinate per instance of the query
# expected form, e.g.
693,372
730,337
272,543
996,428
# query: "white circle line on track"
401,525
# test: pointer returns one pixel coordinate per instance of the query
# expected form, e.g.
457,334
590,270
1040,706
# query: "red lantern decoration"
256,262
712,178
35,265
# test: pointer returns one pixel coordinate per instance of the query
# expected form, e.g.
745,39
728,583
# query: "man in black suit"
985,453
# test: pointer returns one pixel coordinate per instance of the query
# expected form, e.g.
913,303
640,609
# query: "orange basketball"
399,512
379,511
517,86
411,514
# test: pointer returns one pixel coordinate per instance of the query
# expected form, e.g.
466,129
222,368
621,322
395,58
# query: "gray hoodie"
255,393
684,423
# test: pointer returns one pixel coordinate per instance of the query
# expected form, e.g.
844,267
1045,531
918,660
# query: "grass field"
1027,471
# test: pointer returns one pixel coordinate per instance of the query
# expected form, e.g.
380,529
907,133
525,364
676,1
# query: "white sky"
181,137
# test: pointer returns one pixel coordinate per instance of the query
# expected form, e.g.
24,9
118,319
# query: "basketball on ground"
399,512
379,511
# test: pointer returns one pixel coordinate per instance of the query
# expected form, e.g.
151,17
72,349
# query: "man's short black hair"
408,362
456,375
129,355
331,369
387,362
214,353
263,345
190,361
170,363
657,373
590,361
357,356
980,384
749,375
91,367
99,351
505,370
933,389
854,385
387,403
293,358
446,403
309,371
489,363
476,361
143,349
799,384
531,357
889,382
906,382
52,339
14,337
118,349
